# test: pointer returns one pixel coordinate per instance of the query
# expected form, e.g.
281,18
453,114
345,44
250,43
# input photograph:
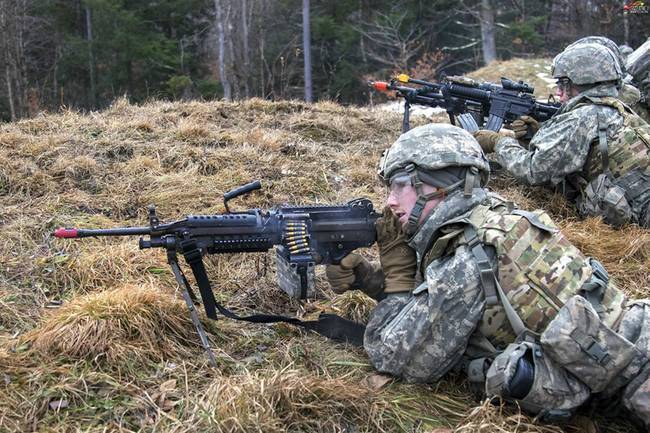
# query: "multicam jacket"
423,335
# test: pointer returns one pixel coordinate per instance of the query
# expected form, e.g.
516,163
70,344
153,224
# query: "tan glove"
355,272
521,125
397,259
487,139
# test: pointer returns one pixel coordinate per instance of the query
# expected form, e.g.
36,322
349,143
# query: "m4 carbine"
303,237
475,104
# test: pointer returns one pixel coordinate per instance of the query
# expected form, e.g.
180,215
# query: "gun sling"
328,325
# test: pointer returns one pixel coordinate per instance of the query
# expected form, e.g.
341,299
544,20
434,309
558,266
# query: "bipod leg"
182,281
406,122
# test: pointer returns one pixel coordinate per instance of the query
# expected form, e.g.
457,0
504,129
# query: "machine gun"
473,103
302,236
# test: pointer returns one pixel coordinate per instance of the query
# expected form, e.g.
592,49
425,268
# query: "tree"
13,18
221,35
306,44
393,41
91,58
488,42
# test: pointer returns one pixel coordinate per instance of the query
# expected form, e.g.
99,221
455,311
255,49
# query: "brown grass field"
94,335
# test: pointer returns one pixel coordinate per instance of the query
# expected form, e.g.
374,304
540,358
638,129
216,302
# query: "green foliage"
167,48
178,85
525,36
209,88
136,47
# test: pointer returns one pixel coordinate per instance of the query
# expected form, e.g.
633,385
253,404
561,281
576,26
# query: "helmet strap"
470,181
422,199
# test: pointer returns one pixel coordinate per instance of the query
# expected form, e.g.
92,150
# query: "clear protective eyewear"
398,185
563,84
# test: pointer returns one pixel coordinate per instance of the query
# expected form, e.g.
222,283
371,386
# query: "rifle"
303,237
471,101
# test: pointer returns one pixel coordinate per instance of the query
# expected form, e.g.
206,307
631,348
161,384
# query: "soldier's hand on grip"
397,259
522,125
342,277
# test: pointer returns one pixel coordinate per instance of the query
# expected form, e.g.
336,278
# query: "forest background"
83,54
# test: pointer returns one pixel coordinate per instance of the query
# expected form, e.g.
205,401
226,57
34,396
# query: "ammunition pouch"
619,201
525,375
636,185
581,343
602,197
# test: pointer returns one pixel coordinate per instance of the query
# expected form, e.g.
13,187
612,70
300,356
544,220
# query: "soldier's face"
562,95
565,90
402,197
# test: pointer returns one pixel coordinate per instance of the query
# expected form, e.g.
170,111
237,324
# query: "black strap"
591,346
328,325
193,258
602,145
492,288
484,265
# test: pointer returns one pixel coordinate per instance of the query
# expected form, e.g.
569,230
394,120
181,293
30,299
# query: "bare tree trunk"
262,66
91,60
6,52
626,27
362,45
10,95
488,32
230,67
55,73
246,54
306,44
227,94
21,64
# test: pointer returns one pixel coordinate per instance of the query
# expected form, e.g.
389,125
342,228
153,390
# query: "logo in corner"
636,7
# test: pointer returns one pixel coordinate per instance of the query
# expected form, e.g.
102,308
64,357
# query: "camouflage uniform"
478,260
567,152
638,67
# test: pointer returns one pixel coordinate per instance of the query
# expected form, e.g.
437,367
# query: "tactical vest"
538,269
623,194
628,150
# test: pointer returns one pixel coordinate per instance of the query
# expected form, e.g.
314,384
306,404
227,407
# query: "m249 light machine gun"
302,237
475,104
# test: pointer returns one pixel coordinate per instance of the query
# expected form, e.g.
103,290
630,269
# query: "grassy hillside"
94,335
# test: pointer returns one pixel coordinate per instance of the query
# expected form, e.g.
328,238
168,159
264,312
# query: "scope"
517,86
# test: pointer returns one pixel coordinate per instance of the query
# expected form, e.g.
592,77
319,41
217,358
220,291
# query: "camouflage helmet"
625,51
607,43
587,64
434,147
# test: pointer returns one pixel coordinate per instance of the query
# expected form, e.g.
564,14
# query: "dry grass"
286,400
129,325
120,353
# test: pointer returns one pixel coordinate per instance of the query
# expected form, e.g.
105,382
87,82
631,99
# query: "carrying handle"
244,189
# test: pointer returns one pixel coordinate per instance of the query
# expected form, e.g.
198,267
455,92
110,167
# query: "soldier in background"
625,51
628,93
595,149
498,291
638,68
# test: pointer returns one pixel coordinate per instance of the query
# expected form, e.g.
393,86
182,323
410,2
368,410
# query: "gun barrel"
84,233
381,86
